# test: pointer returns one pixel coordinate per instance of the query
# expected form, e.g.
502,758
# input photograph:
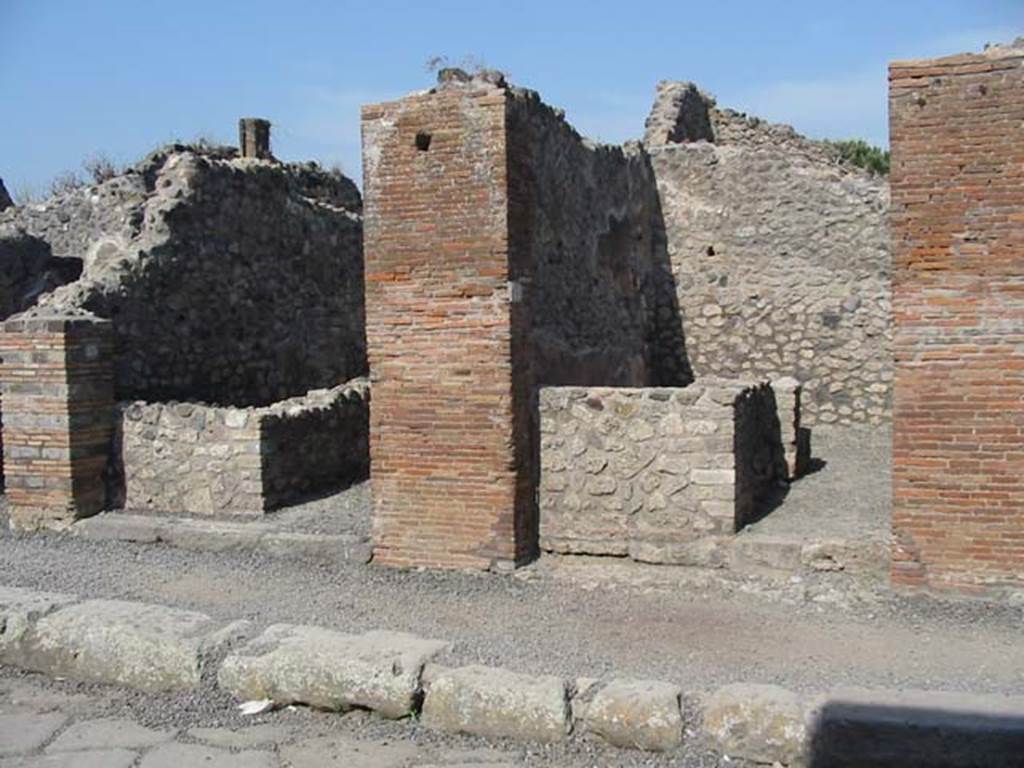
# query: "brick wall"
57,378
439,331
957,136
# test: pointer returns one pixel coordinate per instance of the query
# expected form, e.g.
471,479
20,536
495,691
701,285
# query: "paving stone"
763,723
917,729
497,703
175,755
637,714
106,734
121,526
20,609
339,752
93,758
20,734
242,738
149,647
309,665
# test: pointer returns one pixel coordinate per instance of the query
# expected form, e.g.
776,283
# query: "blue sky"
119,77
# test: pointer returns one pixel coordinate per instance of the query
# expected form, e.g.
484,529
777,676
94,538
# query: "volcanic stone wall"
663,475
226,280
190,458
779,255
957,135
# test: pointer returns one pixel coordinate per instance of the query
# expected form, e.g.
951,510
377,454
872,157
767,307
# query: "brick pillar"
57,384
254,137
439,331
957,224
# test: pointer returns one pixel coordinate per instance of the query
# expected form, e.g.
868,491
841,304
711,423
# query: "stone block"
498,703
20,609
20,734
108,733
176,755
92,758
854,728
762,723
309,665
149,647
637,714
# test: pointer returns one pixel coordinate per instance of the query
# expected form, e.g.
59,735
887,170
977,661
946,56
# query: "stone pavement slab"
175,755
95,758
341,752
241,738
20,734
108,733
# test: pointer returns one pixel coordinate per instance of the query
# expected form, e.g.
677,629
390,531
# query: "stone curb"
151,647
221,536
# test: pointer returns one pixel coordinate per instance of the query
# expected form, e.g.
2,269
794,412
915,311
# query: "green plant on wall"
858,152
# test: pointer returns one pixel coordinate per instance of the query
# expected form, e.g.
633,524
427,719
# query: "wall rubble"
226,280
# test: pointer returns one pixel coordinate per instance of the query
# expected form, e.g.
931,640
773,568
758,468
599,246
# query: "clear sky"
119,77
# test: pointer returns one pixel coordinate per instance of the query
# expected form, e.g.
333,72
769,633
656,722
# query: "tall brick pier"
957,133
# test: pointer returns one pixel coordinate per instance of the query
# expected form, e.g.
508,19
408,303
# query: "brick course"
957,221
57,376
438,330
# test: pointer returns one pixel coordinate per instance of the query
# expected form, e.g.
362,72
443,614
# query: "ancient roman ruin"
572,347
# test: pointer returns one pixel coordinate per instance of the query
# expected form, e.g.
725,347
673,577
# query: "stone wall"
957,133
226,280
779,255
196,459
662,475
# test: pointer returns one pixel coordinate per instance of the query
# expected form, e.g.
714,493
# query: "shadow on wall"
668,361
966,733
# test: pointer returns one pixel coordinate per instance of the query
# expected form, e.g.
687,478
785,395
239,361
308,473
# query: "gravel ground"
566,616
848,494
574,617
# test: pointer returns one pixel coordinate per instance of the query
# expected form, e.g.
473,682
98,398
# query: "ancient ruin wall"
663,475
957,134
195,459
779,254
581,249
226,280
503,252
438,329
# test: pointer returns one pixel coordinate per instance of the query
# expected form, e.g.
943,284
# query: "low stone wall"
197,459
658,474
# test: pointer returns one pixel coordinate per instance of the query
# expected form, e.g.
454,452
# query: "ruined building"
506,254
218,300
572,347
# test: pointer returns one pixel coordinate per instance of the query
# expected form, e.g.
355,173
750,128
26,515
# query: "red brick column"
443,453
957,133
57,383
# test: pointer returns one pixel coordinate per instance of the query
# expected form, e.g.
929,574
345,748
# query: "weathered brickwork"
438,329
779,256
193,459
504,252
957,136
663,475
57,383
